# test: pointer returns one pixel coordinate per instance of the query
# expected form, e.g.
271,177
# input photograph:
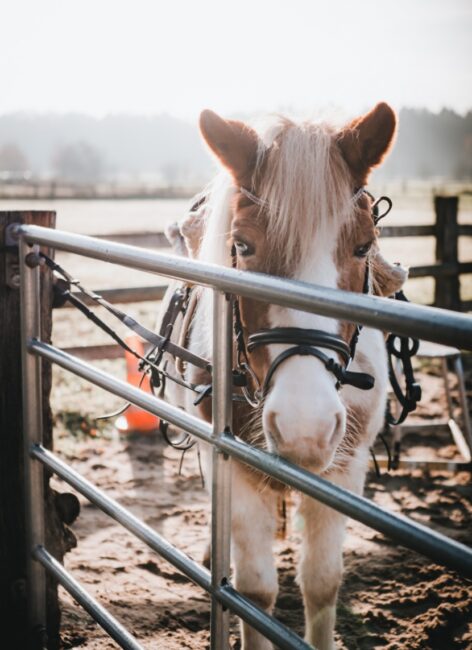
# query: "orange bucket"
135,419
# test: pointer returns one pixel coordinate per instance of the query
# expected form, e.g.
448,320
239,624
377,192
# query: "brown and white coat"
307,227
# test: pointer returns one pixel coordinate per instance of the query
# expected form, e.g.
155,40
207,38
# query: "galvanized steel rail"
427,323
407,532
92,606
220,591
424,322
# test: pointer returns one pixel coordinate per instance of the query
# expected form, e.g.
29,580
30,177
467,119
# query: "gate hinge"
10,248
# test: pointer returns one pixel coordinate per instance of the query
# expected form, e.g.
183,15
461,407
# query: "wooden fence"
446,270
13,549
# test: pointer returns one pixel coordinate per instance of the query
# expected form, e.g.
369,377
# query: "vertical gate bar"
221,472
32,433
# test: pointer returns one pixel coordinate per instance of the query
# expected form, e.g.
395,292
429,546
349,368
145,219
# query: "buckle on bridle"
413,394
255,398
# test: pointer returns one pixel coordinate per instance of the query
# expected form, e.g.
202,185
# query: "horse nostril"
337,429
274,429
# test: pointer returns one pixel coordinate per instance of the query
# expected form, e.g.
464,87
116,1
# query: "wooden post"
59,539
447,288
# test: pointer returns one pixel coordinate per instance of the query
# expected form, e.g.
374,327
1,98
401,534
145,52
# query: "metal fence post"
32,433
221,473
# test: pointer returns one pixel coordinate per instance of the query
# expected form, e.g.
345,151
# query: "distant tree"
430,145
434,144
78,162
464,164
12,159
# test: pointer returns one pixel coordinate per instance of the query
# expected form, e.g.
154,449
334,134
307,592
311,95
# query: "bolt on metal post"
221,472
32,433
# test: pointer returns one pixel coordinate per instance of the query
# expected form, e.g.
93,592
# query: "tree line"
83,149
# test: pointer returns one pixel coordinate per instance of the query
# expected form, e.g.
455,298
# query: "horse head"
295,210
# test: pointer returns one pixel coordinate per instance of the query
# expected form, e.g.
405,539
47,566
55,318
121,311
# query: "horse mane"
304,182
217,220
306,186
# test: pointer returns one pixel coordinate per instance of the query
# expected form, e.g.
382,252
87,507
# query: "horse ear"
387,278
365,141
234,143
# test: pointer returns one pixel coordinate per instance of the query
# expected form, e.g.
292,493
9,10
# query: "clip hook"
375,208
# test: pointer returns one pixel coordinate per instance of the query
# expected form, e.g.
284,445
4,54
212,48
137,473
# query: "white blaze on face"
303,417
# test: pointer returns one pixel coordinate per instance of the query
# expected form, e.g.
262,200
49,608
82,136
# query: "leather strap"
300,337
357,379
157,340
307,342
407,349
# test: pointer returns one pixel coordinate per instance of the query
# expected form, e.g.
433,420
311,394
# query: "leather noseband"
306,342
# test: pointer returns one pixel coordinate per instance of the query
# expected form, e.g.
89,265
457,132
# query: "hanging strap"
63,294
156,340
403,348
160,343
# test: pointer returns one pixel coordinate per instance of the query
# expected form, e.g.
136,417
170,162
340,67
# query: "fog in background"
110,91
166,151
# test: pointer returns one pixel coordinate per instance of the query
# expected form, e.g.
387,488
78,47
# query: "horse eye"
362,251
243,249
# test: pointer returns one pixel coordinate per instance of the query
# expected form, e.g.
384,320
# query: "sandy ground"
390,598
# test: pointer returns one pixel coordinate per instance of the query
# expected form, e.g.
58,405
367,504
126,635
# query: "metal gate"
423,322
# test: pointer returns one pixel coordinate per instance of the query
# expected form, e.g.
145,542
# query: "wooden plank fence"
60,539
446,270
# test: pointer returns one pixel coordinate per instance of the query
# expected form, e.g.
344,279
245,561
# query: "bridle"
303,342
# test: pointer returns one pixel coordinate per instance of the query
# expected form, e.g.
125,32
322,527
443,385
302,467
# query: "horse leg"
321,563
320,570
253,531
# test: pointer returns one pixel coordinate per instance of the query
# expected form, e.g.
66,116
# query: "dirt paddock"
391,598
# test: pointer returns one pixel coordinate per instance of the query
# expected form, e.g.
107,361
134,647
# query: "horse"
291,202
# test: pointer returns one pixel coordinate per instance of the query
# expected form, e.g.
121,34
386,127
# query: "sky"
239,57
